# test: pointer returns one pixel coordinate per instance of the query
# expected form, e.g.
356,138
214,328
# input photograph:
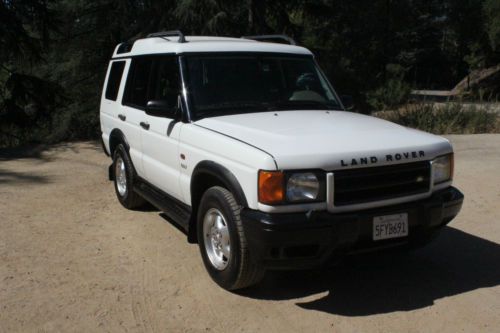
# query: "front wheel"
222,241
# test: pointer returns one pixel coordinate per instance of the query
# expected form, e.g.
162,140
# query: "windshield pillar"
186,107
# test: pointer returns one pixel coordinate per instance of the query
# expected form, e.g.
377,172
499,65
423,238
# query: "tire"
236,270
124,179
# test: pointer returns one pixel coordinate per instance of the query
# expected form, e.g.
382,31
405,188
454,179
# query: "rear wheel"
222,241
124,179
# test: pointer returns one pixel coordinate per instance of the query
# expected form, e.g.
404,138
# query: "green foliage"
54,53
475,59
393,93
492,13
26,99
450,118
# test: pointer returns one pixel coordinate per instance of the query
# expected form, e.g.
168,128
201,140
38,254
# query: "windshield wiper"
306,104
230,108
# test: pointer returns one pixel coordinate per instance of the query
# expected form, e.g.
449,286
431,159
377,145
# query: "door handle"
144,125
122,117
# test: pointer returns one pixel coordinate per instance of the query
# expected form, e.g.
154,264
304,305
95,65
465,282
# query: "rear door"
160,137
110,105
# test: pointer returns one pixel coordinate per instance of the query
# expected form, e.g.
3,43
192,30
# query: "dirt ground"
73,260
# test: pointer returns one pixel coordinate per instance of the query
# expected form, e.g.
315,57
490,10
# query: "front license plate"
390,226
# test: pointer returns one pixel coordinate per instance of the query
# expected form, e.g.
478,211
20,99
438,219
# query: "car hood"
328,140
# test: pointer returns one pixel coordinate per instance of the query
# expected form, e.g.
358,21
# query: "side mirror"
161,108
347,101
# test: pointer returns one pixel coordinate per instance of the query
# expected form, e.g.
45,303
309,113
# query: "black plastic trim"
170,33
172,207
145,55
118,134
124,47
385,182
334,235
224,175
186,103
285,38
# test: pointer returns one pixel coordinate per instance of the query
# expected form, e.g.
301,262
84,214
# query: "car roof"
194,44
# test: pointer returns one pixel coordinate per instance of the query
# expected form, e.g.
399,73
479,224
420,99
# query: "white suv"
246,145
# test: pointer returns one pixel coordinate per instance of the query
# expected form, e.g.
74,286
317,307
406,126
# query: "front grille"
381,183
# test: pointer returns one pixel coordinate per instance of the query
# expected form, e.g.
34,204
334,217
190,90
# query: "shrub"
450,118
393,93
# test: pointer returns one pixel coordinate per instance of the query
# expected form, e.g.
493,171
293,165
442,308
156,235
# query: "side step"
173,208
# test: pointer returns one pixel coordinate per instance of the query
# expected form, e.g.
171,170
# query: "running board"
173,208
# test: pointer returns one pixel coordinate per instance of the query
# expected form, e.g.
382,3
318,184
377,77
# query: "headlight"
302,187
442,167
282,187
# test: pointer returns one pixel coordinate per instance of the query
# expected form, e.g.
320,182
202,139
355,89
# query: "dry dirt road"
73,260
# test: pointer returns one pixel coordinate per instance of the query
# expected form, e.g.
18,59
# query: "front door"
160,135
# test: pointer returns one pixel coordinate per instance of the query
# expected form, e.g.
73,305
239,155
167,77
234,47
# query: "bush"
393,93
450,118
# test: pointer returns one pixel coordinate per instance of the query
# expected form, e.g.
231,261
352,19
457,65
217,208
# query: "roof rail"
124,48
171,33
286,38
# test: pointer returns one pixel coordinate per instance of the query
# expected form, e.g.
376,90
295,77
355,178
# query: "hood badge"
368,160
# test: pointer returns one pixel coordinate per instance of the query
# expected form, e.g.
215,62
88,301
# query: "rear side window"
136,90
115,77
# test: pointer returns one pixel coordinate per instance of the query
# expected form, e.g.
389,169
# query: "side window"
138,80
114,79
165,86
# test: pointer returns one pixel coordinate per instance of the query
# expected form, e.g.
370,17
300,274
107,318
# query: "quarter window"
114,79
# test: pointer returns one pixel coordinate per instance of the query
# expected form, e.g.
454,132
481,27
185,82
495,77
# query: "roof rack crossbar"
286,38
171,33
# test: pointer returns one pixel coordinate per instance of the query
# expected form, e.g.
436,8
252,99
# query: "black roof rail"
286,38
124,48
171,33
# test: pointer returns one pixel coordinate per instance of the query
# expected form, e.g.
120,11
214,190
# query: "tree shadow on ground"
9,177
40,151
33,152
96,146
457,262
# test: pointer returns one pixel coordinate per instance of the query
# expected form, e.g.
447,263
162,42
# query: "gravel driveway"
72,259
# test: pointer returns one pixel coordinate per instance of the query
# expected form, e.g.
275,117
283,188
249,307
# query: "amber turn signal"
271,187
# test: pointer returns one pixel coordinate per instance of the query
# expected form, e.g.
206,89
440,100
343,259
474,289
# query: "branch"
11,135
6,69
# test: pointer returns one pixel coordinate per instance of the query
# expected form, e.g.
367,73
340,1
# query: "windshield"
227,84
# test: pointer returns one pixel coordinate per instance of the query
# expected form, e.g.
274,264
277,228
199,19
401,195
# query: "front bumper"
307,240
